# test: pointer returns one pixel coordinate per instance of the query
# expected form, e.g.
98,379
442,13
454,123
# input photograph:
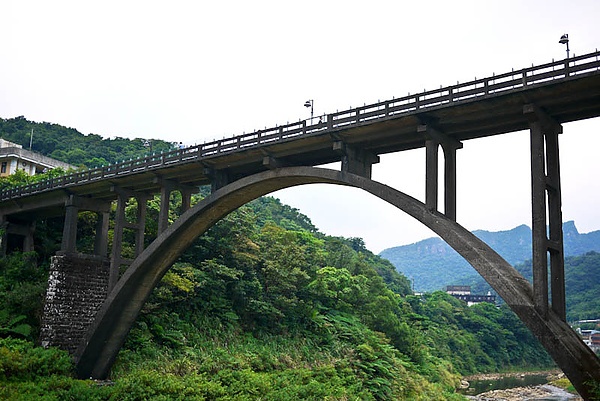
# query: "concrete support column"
431,174
69,239
538,214
115,259
555,244
546,198
449,181
140,224
28,245
163,214
186,200
3,234
101,240
434,137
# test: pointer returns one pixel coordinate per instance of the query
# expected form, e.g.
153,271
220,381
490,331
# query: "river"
530,386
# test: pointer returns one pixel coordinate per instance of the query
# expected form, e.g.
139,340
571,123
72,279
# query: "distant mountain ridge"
432,264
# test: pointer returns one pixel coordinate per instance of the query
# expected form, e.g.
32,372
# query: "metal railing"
428,100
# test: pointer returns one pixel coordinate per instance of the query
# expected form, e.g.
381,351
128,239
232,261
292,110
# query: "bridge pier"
433,139
25,230
546,200
77,288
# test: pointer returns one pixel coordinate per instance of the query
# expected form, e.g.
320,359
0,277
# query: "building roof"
31,157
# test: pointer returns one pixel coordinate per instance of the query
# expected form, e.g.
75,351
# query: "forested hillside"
71,146
432,264
582,285
263,306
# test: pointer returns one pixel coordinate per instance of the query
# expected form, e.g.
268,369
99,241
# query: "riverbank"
544,392
528,392
551,374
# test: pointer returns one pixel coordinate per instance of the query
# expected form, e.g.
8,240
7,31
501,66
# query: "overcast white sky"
194,71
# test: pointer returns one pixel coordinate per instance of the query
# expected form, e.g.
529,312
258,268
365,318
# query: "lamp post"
310,103
564,40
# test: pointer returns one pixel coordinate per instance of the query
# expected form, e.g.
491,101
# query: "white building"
13,157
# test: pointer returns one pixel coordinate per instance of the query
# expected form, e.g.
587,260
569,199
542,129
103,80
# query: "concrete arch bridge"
540,99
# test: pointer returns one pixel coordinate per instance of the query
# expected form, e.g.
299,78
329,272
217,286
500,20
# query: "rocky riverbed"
544,392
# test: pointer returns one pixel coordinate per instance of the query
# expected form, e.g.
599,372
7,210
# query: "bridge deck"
567,90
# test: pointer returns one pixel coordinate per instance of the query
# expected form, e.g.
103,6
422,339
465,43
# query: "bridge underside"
98,351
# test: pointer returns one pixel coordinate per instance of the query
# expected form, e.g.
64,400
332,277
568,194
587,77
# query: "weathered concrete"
77,287
96,354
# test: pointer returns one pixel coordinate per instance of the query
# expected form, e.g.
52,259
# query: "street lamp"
310,103
564,40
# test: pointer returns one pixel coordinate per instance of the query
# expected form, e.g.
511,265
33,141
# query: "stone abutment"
77,287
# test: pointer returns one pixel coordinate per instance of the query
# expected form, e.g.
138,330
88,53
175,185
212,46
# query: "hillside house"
463,292
13,157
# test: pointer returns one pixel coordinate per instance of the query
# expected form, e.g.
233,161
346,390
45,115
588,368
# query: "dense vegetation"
255,309
582,285
263,306
71,146
432,264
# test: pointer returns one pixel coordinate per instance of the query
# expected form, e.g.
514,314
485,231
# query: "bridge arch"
95,355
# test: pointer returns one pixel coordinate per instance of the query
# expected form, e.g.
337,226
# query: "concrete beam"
218,178
88,204
272,162
175,185
355,160
431,132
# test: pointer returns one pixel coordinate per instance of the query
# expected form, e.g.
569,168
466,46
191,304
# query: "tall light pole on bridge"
311,104
565,41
